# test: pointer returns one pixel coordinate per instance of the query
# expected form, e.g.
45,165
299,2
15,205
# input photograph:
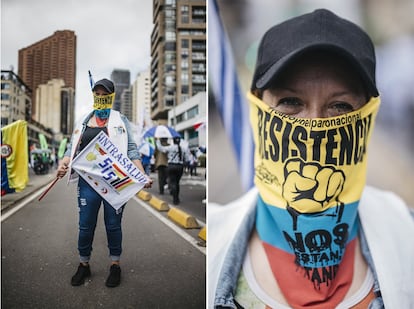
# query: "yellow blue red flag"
14,157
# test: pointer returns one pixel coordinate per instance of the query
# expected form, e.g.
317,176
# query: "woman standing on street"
116,125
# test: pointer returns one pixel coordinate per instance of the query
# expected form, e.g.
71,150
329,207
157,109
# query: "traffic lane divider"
144,195
155,202
203,233
158,204
182,218
177,215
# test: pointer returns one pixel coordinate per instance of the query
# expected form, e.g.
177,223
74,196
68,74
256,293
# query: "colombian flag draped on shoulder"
14,157
109,171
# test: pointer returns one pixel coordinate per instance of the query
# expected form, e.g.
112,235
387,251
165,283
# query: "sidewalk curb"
154,201
144,195
159,204
20,196
203,233
182,218
174,214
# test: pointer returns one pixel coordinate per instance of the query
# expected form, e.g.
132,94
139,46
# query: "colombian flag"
14,157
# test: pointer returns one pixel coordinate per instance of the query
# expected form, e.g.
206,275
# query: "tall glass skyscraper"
122,80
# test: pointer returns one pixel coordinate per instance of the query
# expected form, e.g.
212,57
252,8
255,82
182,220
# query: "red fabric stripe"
296,283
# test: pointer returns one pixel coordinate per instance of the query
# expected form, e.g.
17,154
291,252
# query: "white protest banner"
108,171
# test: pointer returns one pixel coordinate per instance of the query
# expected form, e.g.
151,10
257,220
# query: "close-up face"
316,86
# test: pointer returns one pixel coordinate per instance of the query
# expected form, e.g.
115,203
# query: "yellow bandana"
309,164
103,101
310,174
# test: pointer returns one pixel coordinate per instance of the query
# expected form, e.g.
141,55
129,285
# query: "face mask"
103,101
103,113
310,174
102,105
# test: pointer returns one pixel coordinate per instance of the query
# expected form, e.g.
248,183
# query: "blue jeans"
147,168
89,203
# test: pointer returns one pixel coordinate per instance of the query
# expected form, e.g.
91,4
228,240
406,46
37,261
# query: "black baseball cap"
106,83
319,30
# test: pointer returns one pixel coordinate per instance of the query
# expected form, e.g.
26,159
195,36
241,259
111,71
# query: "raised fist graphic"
309,187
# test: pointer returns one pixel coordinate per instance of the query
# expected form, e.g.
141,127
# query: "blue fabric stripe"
230,102
5,176
313,230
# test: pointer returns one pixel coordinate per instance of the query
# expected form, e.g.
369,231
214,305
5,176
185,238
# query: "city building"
121,79
67,111
16,104
141,99
55,106
15,98
178,54
47,104
189,118
51,58
126,102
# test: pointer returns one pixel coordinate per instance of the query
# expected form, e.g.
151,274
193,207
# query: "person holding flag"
117,127
311,233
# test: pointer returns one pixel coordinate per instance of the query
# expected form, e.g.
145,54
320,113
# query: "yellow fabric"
310,164
15,135
103,101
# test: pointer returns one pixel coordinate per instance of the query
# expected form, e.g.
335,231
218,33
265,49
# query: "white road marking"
23,203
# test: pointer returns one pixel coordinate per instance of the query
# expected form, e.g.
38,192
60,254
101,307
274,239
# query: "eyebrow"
276,88
335,94
341,93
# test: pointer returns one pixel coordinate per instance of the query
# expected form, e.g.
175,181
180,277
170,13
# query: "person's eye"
289,102
289,105
342,107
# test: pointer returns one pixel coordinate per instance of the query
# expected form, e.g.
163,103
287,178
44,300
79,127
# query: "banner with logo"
14,157
109,171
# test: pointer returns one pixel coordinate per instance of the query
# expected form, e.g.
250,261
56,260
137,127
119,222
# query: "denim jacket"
222,281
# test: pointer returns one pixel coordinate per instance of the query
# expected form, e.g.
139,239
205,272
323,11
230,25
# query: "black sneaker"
82,273
114,277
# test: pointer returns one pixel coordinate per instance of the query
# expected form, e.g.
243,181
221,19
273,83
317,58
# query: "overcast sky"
110,34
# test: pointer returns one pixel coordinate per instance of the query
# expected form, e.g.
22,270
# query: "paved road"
160,268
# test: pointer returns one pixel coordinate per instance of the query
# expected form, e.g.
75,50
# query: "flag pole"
48,188
91,79
57,178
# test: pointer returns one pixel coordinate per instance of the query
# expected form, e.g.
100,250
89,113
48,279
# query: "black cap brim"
273,72
106,84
